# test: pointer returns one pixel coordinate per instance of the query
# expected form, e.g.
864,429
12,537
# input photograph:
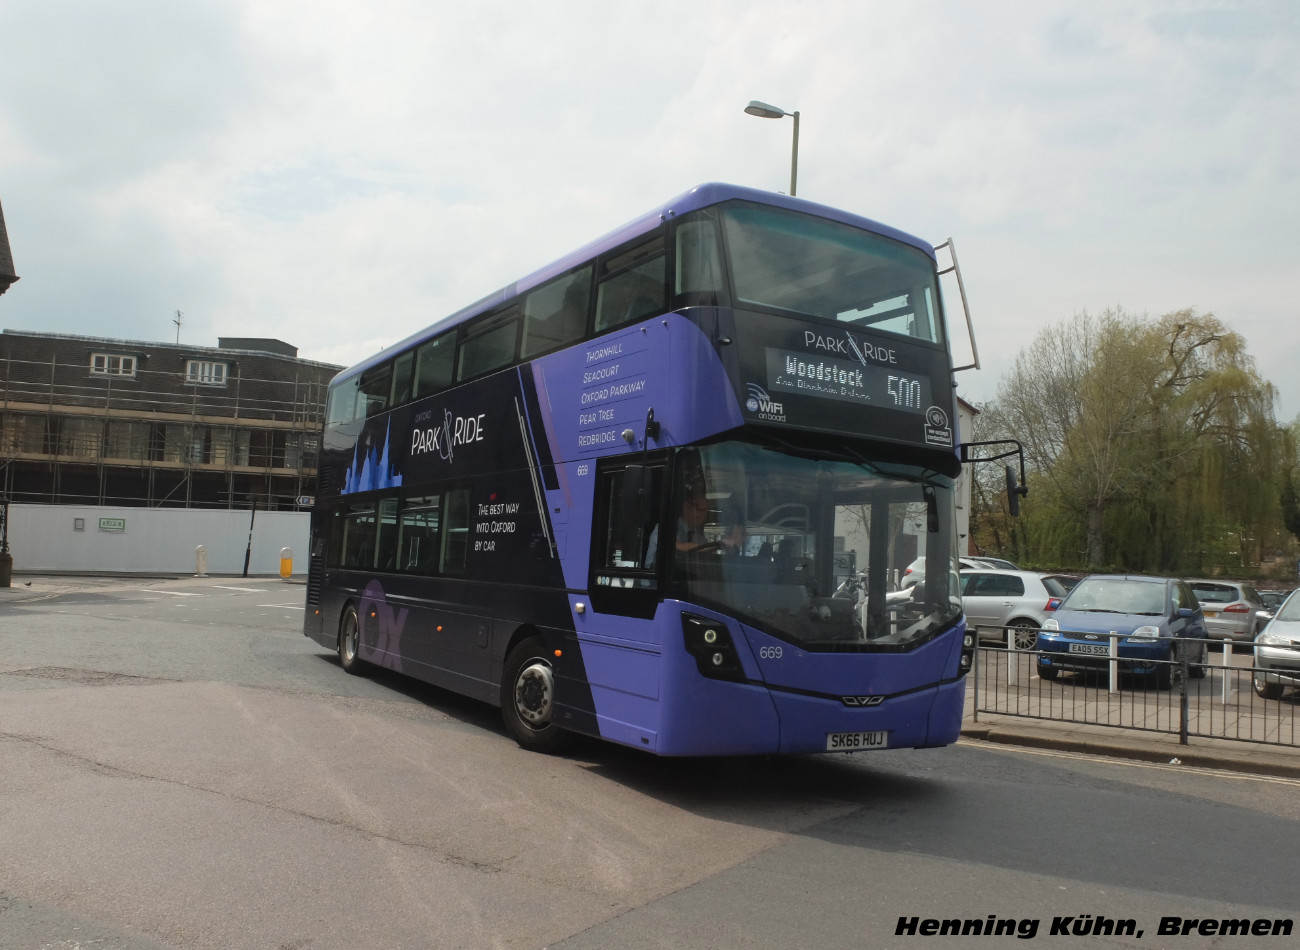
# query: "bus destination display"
829,378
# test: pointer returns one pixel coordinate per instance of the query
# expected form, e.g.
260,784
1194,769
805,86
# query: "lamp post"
765,111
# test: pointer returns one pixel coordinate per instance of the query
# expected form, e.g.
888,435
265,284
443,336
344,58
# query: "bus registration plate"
855,741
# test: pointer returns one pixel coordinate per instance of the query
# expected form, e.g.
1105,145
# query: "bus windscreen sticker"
937,429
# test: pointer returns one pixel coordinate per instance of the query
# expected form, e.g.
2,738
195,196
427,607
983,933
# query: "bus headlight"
711,645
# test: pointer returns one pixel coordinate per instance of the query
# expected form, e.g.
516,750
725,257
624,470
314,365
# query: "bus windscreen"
815,267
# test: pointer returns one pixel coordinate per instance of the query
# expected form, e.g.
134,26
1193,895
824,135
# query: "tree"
1288,499
1154,440
1079,398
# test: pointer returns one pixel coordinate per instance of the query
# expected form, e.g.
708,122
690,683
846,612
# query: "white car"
1022,600
915,572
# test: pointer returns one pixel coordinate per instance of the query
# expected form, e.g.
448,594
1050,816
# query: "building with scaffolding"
92,421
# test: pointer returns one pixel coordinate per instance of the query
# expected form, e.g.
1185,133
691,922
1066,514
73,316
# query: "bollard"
1225,688
1013,659
286,563
1112,664
200,561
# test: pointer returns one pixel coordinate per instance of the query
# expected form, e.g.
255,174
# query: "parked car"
1272,600
1156,618
1230,608
1277,651
999,563
915,572
997,599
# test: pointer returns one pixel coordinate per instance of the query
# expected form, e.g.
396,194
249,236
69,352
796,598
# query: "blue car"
1157,619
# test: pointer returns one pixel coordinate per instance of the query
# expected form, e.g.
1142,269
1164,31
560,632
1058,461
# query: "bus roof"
701,196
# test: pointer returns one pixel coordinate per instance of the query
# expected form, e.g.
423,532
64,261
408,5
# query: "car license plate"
1091,649
1212,614
854,741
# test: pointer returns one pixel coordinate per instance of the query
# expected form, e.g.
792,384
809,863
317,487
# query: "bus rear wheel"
528,697
349,640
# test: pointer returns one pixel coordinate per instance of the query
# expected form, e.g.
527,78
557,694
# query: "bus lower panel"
315,628
624,691
924,718
945,720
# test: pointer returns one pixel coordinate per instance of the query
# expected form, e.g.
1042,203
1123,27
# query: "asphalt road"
181,768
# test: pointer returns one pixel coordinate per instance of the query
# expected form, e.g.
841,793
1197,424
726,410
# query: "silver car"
1230,609
1022,600
1277,651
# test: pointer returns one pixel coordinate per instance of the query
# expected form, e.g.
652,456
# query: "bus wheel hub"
534,690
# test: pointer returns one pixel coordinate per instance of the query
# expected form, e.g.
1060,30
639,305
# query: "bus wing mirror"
1014,491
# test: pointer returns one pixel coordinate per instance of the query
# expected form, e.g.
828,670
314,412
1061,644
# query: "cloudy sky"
340,174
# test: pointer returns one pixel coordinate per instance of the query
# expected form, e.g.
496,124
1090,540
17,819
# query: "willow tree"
1155,434
1216,440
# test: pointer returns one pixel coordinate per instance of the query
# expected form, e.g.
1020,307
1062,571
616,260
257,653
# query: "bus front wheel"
528,697
349,640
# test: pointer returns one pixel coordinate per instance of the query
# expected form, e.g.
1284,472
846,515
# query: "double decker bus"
662,491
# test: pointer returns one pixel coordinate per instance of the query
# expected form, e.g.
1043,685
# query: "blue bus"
662,491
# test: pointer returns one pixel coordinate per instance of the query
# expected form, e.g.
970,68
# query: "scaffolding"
111,432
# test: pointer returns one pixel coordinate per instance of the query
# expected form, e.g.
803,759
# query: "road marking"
174,593
285,606
246,590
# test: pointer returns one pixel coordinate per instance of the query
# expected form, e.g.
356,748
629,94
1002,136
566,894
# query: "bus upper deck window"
556,313
635,285
375,384
342,406
434,363
699,259
488,344
402,378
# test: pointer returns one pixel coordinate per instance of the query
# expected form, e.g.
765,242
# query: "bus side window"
556,313
489,343
698,262
344,400
357,541
417,543
386,541
375,388
633,285
455,532
402,378
434,362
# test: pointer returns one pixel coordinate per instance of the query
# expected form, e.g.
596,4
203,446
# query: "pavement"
25,588
1224,754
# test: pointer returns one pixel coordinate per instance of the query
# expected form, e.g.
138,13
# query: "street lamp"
765,111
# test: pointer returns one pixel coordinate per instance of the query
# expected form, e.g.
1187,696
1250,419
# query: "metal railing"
1215,701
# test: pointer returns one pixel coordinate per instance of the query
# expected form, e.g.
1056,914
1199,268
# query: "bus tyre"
349,640
528,697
